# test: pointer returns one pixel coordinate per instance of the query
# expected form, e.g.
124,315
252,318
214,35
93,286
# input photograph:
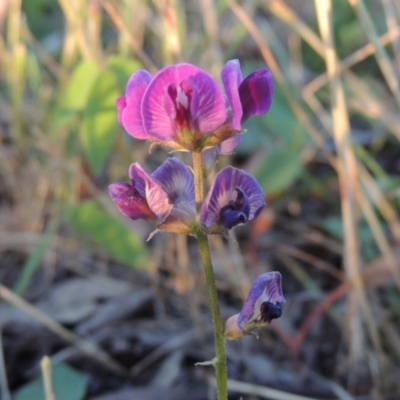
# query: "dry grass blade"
264,392
75,12
381,202
86,347
355,58
45,364
286,14
4,391
379,236
349,190
391,22
210,20
381,55
120,25
168,10
279,76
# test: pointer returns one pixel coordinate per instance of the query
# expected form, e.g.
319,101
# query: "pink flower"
183,107
179,106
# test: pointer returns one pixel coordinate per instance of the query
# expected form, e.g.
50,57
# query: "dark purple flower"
248,97
263,304
178,106
235,198
165,197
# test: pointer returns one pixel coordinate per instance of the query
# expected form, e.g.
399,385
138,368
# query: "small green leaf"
99,126
123,68
68,384
279,170
80,86
33,262
113,236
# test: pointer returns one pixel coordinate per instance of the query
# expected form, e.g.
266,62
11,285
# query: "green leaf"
68,384
99,126
123,68
279,170
282,121
33,262
80,86
113,236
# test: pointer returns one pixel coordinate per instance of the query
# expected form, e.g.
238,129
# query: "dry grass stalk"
349,190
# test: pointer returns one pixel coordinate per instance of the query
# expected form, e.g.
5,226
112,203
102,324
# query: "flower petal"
231,76
228,146
178,183
229,185
151,190
129,114
121,104
263,303
256,93
129,202
209,105
211,155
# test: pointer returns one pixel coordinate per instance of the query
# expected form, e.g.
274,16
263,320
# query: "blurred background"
122,318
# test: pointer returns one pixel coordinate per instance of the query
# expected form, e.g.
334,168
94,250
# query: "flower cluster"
184,108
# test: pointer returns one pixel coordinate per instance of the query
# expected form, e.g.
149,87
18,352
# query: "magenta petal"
121,104
177,181
151,190
256,93
157,120
209,105
267,288
230,185
231,76
129,202
210,110
129,114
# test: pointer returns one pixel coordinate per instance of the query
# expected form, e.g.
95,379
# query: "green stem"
198,180
220,360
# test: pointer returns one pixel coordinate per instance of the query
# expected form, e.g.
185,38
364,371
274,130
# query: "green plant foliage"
280,126
81,85
99,127
279,170
112,235
33,262
68,384
334,226
123,68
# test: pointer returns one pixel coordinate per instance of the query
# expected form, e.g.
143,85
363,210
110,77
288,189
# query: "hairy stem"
220,360
198,180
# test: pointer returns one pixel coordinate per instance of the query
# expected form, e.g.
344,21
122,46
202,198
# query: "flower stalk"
184,108
197,158
220,360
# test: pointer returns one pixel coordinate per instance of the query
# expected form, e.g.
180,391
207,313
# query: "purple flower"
165,197
263,304
178,106
248,97
235,198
